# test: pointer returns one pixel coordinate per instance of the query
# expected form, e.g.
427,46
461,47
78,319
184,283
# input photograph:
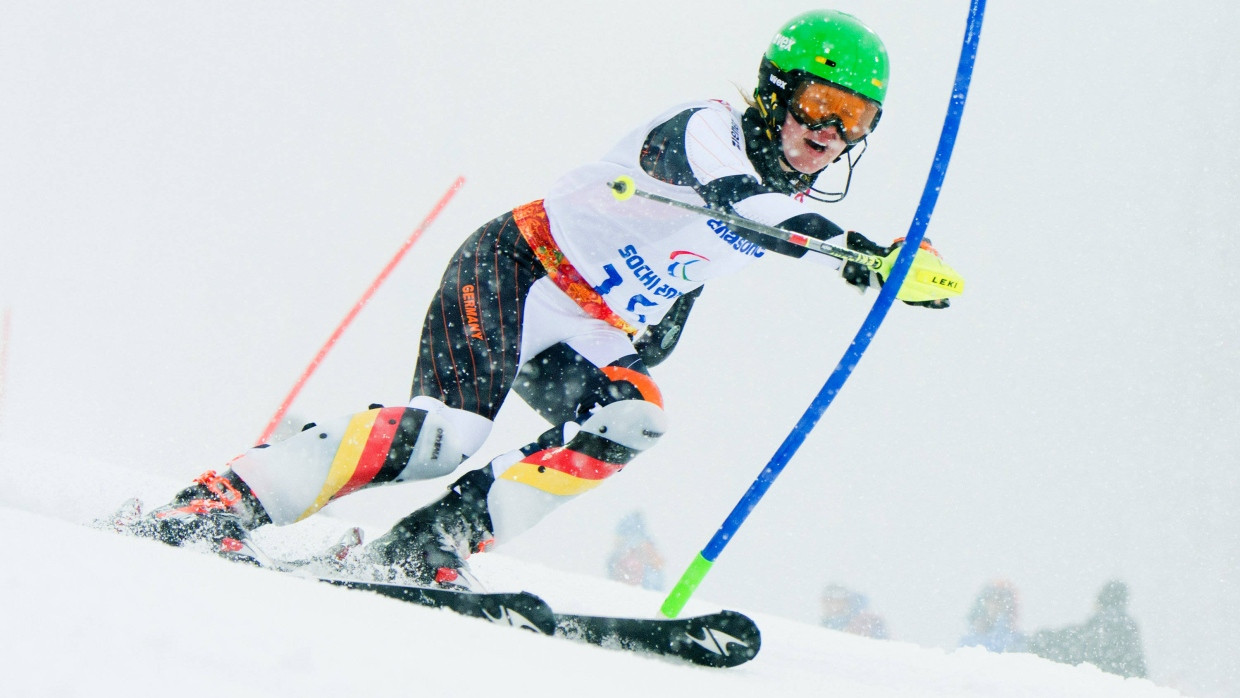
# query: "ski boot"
217,512
429,546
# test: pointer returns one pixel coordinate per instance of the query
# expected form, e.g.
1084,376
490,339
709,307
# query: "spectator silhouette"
1110,639
848,611
994,619
635,560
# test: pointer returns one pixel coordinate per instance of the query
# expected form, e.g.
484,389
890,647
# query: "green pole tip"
689,581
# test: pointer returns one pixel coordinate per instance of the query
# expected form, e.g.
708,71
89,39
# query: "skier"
569,301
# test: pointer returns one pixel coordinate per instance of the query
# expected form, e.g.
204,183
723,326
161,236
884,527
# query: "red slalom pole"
357,308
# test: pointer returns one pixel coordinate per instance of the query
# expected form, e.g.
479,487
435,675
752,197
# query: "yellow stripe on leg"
548,480
345,462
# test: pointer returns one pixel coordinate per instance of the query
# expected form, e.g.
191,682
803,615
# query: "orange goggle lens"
816,105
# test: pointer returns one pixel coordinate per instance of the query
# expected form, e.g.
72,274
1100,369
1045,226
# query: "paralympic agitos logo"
682,264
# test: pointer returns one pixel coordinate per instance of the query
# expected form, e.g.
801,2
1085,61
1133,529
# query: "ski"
521,610
723,639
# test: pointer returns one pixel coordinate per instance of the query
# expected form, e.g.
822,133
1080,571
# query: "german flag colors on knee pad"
375,448
296,477
561,471
607,441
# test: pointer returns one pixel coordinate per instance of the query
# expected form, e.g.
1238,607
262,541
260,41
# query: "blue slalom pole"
702,563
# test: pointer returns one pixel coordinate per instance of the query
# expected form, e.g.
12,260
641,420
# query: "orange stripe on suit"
531,220
644,383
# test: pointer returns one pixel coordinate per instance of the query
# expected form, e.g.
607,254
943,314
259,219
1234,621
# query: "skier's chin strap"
850,157
777,173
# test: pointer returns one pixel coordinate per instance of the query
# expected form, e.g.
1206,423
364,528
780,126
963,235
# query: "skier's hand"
863,277
937,304
860,275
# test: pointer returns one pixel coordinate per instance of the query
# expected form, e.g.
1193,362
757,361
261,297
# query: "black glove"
857,274
863,277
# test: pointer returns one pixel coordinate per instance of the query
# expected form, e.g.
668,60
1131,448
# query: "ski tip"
719,640
737,636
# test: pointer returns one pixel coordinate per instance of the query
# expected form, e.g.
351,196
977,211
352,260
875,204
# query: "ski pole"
623,187
704,560
357,308
931,278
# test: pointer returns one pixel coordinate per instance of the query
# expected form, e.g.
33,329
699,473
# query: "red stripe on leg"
374,454
645,384
573,463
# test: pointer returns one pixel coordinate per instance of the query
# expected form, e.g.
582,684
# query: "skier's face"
809,151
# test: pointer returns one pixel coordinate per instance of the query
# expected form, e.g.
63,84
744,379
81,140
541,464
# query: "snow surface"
91,613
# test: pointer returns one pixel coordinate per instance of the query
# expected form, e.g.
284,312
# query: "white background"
192,195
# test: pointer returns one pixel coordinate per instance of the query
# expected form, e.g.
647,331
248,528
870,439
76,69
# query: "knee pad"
444,439
634,424
612,436
296,477
530,486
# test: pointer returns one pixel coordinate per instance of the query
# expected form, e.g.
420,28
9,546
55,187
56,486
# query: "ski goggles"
817,105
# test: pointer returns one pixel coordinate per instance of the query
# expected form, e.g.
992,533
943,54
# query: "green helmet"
823,46
829,45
